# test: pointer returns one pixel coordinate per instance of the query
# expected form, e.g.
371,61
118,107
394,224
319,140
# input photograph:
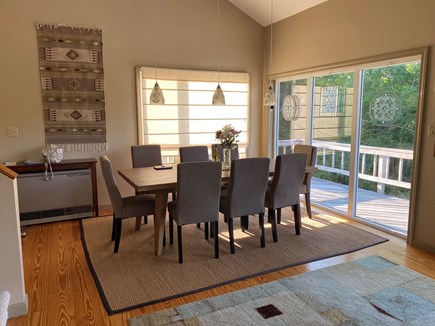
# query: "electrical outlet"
12,131
431,131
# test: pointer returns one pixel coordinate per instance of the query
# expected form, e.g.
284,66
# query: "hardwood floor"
62,291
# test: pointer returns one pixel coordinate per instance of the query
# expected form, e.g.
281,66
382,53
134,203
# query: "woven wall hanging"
72,82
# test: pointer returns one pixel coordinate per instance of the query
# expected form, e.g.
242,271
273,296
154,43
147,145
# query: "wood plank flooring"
62,291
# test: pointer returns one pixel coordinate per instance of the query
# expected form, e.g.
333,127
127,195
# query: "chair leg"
212,230
273,222
171,230
180,245
206,230
118,228
261,222
138,223
216,239
231,232
113,227
297,217
244,222
278,217
198,225
145,219
308,204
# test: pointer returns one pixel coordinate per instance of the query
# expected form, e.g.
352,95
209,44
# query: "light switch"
12,131
431,131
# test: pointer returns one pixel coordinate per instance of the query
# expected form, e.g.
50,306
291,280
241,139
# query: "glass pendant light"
218,95
269,97
156,96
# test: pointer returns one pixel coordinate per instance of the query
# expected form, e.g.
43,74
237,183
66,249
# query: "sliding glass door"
386,143
332,131
363,121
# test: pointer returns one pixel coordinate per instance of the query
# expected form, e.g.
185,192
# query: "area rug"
368,291
72,82
135,277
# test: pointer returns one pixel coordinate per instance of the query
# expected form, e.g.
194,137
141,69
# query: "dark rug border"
112,312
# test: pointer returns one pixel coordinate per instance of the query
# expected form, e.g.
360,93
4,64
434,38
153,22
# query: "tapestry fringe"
78,28
91,147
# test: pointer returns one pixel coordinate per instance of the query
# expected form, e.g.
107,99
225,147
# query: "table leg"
159,220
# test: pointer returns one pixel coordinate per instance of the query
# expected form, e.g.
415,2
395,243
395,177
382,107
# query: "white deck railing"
380,165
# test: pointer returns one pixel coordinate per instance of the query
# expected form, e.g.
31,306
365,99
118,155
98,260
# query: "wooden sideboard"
65,165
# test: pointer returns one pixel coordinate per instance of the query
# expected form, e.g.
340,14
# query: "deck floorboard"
375,207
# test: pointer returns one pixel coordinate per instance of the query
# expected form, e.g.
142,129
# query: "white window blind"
188,117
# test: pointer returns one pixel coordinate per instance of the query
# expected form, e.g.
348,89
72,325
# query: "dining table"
161,182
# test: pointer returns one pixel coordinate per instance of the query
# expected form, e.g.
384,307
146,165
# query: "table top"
149,179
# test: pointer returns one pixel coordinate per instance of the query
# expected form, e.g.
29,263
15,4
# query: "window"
188,117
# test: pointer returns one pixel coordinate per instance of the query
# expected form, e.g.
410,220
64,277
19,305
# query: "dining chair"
220,150
311,152
198,192
144,156
124,207
193,154
245,194
284,189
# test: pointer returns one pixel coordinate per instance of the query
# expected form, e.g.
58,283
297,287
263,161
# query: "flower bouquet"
227,136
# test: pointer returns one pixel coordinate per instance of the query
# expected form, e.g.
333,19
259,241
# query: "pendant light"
218,96
156,96
269,97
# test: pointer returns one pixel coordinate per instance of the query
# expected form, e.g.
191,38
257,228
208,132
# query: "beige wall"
181,34
342,30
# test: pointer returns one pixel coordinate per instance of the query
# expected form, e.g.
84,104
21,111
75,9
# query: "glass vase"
227,158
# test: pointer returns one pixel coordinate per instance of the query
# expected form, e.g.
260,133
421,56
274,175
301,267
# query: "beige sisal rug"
135,277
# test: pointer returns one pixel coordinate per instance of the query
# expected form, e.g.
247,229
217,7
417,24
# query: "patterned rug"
72,82
135,277
369,291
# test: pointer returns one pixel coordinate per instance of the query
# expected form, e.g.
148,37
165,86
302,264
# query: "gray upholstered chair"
198,192
284,189
245,194
311,152
144,156
220,151
124,207
194,154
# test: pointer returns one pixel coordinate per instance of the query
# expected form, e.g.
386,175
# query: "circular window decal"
290,107
385,108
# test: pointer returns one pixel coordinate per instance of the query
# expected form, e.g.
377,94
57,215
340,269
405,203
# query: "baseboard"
19,309
104,207
424,246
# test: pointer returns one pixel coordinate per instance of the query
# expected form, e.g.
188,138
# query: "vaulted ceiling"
260,10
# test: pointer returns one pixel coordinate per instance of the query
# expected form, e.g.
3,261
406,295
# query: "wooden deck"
388,211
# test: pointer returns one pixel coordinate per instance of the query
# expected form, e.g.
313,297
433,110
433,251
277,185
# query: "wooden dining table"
161,183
